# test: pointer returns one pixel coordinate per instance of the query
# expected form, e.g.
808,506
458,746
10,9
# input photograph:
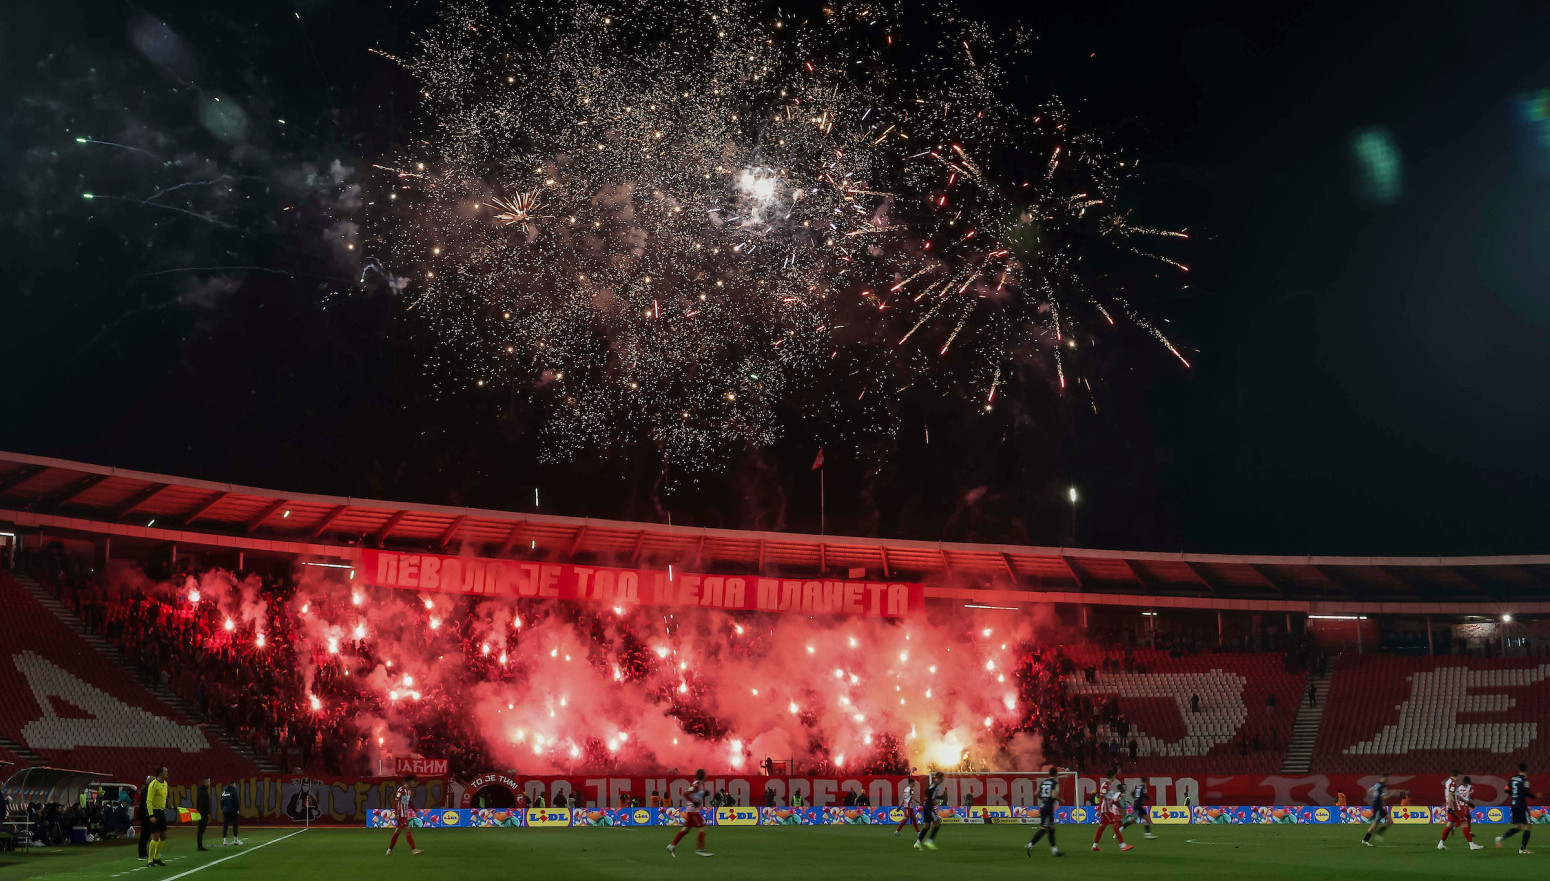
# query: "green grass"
1244,853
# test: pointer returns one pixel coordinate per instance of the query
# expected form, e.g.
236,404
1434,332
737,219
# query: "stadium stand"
1435,714
1237,727
64,700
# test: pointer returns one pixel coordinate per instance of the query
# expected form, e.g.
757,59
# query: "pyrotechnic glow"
659,228
230,624
633,695
193,596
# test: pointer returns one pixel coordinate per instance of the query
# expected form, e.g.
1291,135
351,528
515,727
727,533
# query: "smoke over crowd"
557,687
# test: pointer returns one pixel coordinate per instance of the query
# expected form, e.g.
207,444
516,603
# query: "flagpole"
821,506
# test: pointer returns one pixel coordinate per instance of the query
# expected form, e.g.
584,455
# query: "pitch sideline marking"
235,855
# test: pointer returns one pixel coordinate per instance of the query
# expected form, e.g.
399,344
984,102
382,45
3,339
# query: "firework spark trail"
269,269
96,197
927,317
1156,333
84,140
1168,260
220,179
956,328
761,180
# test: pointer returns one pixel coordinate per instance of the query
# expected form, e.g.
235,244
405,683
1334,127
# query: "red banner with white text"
420,767
645,587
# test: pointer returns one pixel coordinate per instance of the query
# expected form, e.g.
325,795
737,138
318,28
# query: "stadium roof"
70,496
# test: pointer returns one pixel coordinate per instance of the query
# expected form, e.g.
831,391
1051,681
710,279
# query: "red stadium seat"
1435,714
64,700
1233,691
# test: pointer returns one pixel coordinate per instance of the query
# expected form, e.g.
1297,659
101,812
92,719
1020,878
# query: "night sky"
1368,315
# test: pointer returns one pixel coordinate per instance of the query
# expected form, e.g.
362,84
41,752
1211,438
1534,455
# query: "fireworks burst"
721,213
517,211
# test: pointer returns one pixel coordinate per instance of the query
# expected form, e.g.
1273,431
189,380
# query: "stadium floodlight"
1507,618
1072,495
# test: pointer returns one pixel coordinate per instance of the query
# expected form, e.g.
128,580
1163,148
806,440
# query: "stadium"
856,439
295,646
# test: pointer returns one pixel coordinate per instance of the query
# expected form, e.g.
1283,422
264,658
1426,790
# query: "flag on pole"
187,816
818,462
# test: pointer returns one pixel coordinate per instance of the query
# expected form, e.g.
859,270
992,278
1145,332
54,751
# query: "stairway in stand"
171,698
1305,731
21,752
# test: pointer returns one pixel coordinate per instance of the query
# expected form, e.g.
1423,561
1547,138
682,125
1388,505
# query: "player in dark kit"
1141,805
1379,796
1049,800
1519,794
932,823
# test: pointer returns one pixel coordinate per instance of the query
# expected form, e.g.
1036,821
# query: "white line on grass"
235,855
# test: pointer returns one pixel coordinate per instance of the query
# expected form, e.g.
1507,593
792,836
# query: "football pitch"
1245,853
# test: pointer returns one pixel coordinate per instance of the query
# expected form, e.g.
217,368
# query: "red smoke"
548,687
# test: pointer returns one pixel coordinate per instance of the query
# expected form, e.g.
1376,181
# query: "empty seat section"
1431,715
64,700
1237,728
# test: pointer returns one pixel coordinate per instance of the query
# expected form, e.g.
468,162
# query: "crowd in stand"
259,691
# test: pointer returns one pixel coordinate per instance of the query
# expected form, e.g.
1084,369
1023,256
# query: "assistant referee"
156,815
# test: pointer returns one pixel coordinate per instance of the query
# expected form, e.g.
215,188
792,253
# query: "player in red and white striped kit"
907,805
403,811
1111,811
1458,796
693,819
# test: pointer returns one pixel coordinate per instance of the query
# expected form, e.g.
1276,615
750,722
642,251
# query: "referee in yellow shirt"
156,815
